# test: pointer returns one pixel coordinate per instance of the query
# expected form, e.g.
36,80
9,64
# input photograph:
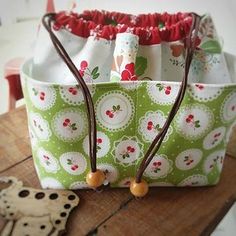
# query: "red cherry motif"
83,67
167,90
217,135
115,110
157,163
66,122
74,167
189,118
99,140
130,149
42,96
150,125
199,86
189,162
45,157
109,113
73,90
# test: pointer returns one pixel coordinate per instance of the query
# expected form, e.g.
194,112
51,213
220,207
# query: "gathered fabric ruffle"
150,28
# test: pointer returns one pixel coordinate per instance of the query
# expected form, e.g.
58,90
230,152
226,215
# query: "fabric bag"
146,97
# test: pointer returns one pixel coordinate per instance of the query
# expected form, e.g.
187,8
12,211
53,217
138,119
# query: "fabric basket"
133,67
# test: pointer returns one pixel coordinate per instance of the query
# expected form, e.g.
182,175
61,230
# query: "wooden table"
165,211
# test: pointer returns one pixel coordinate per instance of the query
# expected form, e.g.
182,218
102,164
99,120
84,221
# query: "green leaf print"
95,73
140,65
95,70
114,108
35,91
211,46
197,124
159,86
96,76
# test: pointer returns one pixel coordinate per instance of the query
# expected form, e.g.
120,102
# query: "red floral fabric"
128,73
151,28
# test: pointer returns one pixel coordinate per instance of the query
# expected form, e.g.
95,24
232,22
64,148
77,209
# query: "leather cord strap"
155,145
47,23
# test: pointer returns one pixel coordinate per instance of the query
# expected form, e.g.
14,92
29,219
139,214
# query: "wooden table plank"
14,138
93,209
174,211
165,211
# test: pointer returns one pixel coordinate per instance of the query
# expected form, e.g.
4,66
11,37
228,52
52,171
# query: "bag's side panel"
193,150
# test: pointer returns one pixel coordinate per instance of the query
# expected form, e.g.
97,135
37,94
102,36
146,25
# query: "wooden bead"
95,179
138,189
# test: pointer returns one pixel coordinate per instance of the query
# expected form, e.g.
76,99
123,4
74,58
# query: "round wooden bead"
138,189
95,179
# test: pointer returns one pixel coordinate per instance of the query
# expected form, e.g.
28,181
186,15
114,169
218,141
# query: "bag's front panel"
129,116
115,47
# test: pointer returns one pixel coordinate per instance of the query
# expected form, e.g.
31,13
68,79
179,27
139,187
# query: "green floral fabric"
129,115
